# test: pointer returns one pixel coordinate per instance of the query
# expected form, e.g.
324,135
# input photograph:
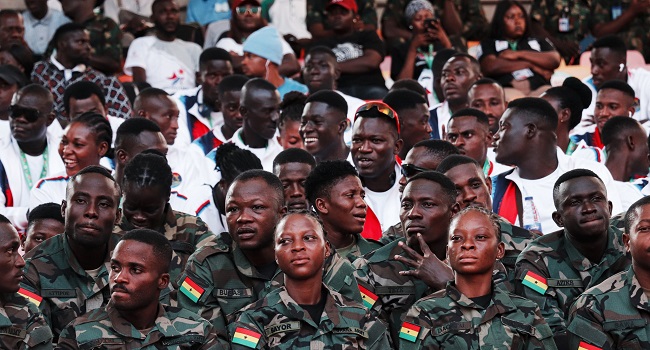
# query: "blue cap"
266,43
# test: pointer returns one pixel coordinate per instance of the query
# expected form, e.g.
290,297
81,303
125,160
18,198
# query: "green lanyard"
513,45
27,172
428,56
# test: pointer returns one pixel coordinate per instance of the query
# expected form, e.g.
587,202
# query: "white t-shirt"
353,104
542,189
201,203
266,154
170,65
628,192
386,205
189,167
289,16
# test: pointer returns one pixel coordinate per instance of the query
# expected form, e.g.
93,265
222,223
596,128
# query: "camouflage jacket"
281,323
548,13
22,326
475,25
450,320
105,37
185,233
553,273
611,315
388,295
227,282
65,289
635,34
361,246
106,329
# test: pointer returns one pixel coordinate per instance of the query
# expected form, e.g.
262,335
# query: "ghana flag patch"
31,296
409,332
191,289
368,297
246,338
535,282
585,346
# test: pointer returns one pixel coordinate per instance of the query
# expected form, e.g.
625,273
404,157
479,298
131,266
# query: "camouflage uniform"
548,12
566,273
185,233
283,324
68,291
22,327
611,315
229,282
360,247
450,320
316,12
471,13
635,35
105,37
174,328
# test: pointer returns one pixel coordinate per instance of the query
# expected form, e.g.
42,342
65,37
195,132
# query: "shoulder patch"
245,337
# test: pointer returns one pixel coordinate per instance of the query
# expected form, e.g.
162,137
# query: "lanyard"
428,56
27,172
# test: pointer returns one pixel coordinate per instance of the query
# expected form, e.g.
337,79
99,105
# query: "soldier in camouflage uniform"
474,190
614,314
628,19
147,185
22,326
556,268
134,318
335,191
304,313
472,313
390,285
67,275
564,22
239,267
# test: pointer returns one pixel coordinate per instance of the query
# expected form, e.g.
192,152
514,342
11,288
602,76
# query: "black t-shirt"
351,47
496,46
315,311
483,301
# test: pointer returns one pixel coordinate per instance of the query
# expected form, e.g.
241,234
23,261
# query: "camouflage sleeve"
246,333
600,12
203,233
367,11
212,340
542,338
205,303
473,17
585,324
112,43
31,282
39,335
545,297
371,300
416,331
377,335
67,339
539,11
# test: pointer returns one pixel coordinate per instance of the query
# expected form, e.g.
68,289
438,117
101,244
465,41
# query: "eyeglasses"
377,106
30,114
253,10
409,170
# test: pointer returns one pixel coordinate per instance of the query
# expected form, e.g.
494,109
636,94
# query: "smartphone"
429,22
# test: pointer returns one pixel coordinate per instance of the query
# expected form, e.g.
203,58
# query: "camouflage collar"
74,264
330,319
163,326
500,303
637,296
243,265
613,251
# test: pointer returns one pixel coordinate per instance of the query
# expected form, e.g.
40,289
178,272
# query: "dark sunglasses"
252,9
409,170
30,114
377,106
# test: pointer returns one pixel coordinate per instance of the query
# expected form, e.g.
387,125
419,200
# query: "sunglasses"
30,114
377,106
409,170
253,10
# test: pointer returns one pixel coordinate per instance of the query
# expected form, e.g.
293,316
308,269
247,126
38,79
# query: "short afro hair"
439,149
570,175
617,129
326,175
631,215
402,99
269,178
322,50
448,186
537,109
214,54
293,155
128,131
619,85
330,98
612,42
93,169
455,160
43,212
233,82
82,90
412,85
159,244
481,117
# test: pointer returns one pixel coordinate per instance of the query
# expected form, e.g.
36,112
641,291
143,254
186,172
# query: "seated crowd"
268,174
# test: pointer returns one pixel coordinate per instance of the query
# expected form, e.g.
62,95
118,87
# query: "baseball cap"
237,3
347,4
12,75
